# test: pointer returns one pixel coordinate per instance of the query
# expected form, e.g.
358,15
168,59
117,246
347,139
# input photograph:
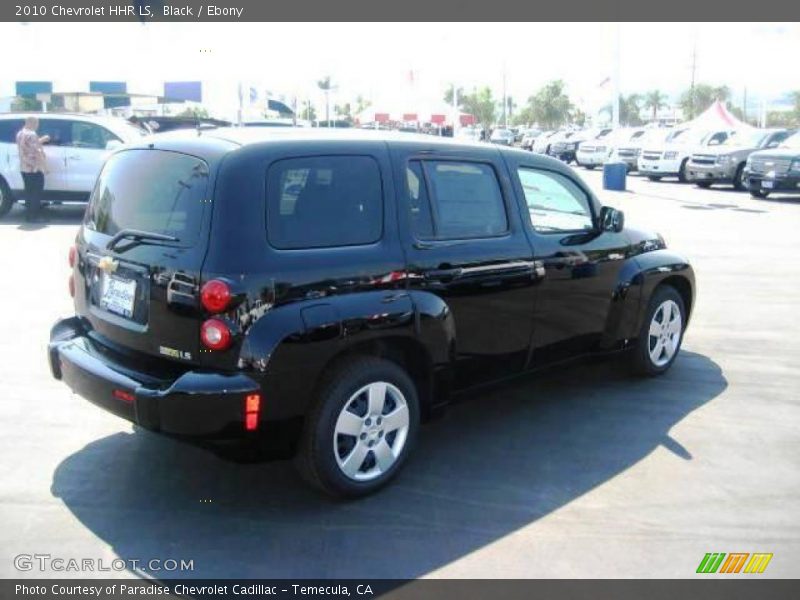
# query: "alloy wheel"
371,431
665,333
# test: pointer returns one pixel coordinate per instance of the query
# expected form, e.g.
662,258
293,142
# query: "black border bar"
398,10
707,588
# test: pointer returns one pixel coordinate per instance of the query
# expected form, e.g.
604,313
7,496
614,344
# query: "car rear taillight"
252,406
215,334
215,296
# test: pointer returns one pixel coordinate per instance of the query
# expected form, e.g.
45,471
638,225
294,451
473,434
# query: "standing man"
32,165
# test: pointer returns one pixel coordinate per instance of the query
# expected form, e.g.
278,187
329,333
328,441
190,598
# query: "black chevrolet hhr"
239,283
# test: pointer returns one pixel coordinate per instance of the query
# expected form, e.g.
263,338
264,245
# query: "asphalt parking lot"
583,473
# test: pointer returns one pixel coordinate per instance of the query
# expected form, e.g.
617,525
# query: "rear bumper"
194,403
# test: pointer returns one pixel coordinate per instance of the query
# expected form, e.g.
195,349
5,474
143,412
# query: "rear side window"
89,135
152,191
59,131
455,200
324,201
9,129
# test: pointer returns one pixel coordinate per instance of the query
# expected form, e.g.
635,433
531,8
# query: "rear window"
152,191
324,201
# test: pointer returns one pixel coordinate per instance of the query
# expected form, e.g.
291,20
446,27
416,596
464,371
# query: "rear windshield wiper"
137,236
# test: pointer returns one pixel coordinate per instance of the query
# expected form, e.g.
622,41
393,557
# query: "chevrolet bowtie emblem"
108,264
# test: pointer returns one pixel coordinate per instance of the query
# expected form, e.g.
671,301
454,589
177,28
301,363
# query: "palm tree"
655,100
326,86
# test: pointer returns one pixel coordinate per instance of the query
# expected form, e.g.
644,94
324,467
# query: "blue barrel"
614,175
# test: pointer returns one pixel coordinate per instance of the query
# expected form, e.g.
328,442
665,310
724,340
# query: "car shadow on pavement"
51,215
497,462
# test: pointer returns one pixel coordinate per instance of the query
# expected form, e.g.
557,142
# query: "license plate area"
121,296
767,185
118,295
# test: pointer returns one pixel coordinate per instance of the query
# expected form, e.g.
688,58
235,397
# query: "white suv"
670,158
77,149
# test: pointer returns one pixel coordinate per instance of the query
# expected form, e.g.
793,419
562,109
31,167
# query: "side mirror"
113,144
611,219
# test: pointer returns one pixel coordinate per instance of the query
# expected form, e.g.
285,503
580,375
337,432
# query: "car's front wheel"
6,198
682,171
703,184
661,334
654,177
361,429
740,179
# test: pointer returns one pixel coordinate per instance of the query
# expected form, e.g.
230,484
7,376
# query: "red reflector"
215,296
215,335
123,395
71,286
251,421
252,403
73,253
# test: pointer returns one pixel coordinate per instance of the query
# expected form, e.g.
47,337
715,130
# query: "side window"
9,129
778,139
718,138
59,131
455,200
554,202
89,135
324,201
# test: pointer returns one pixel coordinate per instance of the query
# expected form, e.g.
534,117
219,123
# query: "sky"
374,59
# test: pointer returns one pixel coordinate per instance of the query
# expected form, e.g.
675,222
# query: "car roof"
214,144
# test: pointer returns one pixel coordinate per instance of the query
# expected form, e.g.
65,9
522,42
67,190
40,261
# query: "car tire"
654,177
682,171
661,334
703,184
6,198
346,437
739,183
759,194
589,167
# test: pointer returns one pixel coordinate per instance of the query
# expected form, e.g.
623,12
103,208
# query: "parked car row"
762,161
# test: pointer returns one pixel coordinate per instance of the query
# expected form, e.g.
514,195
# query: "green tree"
448,95
695,100
344,111
629,109
25,104
655,100
308,112
481,104
551,105
195,112
362,104
326,85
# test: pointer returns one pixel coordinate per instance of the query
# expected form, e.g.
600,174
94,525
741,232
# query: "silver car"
725,163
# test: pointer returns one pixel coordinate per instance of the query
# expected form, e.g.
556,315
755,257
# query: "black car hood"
642,240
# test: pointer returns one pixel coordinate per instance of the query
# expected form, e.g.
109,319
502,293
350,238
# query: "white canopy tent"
716,116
